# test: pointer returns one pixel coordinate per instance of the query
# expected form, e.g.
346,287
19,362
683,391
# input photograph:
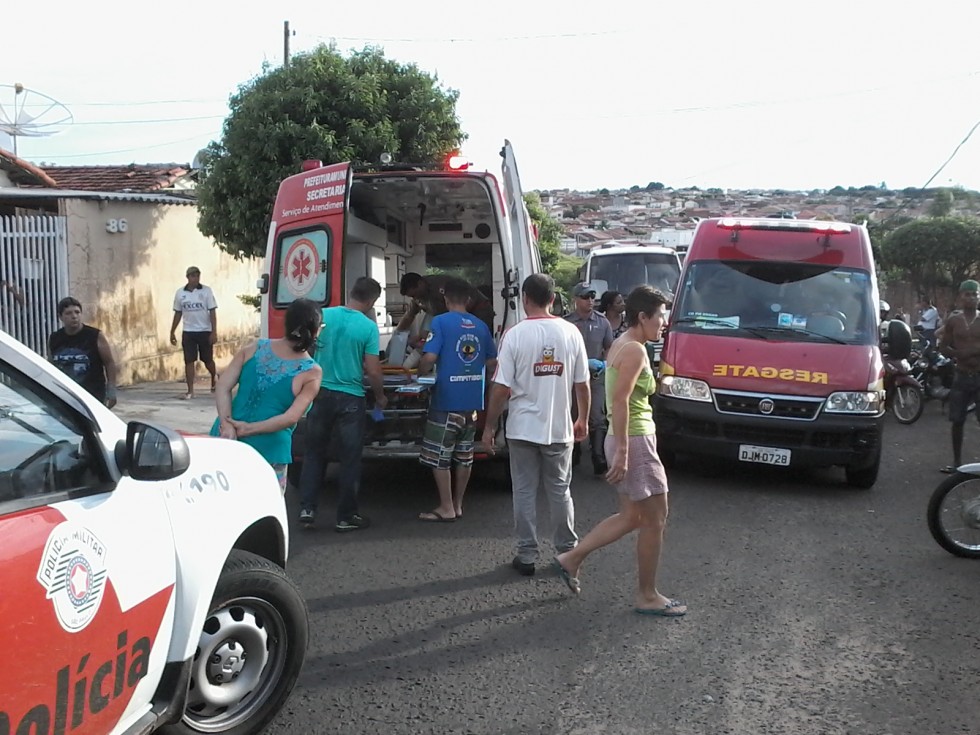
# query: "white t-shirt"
540,359
929,319
195,308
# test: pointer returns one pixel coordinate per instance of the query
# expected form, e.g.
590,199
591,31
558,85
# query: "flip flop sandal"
571,582
434,517
668,611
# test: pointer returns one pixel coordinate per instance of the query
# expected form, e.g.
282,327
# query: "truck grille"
782,407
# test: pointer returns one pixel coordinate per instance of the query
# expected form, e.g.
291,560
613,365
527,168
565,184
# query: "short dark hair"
303,318
365,289
643,300
67,302
539,289
408,282
456,291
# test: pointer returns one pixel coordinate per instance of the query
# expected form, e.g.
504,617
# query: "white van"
333,224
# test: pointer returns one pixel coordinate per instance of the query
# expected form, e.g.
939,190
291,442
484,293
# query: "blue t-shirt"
346,337
462,345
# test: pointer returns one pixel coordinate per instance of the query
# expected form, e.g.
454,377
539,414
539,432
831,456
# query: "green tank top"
640,420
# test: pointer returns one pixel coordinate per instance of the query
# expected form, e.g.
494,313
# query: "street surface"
814,608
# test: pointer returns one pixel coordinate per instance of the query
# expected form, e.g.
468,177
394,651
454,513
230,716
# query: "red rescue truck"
772,350
333,224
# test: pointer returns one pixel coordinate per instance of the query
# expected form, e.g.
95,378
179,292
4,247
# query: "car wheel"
864,477
250,651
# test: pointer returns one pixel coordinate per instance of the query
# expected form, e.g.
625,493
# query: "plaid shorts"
448,438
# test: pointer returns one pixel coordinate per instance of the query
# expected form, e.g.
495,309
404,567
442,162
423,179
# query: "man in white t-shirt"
540,361
195,304
928,320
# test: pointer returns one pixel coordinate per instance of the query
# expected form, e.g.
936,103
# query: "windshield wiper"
712,320
798,330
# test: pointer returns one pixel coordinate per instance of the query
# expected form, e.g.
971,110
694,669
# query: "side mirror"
263,283
152,452
558,307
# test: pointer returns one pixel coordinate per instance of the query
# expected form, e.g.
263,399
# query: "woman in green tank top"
634,467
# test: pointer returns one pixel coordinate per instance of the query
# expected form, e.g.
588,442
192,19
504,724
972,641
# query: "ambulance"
142,581
334,224
771,354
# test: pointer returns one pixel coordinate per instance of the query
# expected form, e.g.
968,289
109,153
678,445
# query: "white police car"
142,581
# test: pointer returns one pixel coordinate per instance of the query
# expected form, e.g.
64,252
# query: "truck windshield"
625,271
796,302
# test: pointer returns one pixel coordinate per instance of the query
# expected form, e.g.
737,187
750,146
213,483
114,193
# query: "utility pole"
285,43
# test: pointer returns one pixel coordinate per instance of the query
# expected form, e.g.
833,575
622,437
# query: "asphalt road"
814,608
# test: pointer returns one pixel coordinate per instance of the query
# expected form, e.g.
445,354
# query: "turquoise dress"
265,389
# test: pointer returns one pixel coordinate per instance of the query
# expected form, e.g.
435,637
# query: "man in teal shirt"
346,349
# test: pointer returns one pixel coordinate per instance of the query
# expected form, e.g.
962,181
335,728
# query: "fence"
34,275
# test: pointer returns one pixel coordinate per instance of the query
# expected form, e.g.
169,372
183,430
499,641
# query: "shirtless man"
961,341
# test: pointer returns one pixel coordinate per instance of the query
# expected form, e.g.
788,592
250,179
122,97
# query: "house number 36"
116,225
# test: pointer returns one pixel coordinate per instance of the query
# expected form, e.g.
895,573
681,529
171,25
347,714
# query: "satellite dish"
26,112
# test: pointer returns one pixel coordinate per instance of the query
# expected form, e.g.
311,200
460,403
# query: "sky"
754,94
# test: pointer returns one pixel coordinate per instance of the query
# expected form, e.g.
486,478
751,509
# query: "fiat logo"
766,406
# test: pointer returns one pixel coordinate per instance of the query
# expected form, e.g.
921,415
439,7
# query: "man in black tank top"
83,353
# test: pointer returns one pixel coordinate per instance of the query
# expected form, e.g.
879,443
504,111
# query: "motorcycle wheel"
954,515
907,403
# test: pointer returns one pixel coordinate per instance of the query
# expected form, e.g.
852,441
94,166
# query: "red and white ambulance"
771,353
333,224
141,572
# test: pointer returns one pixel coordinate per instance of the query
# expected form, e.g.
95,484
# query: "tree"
322,106
934,254
550,231
942,203
654,186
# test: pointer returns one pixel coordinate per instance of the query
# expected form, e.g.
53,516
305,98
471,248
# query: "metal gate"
33,276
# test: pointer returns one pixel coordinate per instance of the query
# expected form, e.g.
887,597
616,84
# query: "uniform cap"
970,286
583,289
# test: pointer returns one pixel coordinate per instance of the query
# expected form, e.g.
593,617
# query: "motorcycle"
934,372
954,512
903,393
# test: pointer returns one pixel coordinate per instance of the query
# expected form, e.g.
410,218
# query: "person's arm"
173,327
491,365
499,395
372,368
405,323
213,313
583,398
225,385
607,339
307,392
427,362
628,371
14,290
105,352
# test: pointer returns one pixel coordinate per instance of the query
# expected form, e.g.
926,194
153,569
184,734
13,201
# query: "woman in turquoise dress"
277,381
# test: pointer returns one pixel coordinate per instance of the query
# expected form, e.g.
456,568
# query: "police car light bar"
798,225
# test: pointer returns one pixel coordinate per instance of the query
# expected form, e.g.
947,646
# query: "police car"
142,581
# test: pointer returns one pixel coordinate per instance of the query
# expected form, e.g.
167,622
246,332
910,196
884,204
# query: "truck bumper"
689,427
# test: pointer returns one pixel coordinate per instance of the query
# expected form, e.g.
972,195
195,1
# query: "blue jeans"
335,421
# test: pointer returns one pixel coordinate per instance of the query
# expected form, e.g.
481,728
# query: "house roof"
22,172
125,178
32,194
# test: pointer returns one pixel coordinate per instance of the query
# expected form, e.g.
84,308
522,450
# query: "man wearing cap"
195,304
598,336
961,341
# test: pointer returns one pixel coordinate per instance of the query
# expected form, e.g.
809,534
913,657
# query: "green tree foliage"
942,203
549,231
322,106
654,186
934,255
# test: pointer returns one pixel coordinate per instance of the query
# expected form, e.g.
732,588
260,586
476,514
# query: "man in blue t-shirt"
346,349
462,349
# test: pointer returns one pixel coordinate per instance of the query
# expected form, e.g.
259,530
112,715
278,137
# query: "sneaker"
525,568
306,517
354,523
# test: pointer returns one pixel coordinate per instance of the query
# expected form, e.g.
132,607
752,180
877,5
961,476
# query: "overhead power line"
128,150
149,122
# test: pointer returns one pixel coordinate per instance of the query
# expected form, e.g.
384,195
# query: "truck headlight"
868,402
686,388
